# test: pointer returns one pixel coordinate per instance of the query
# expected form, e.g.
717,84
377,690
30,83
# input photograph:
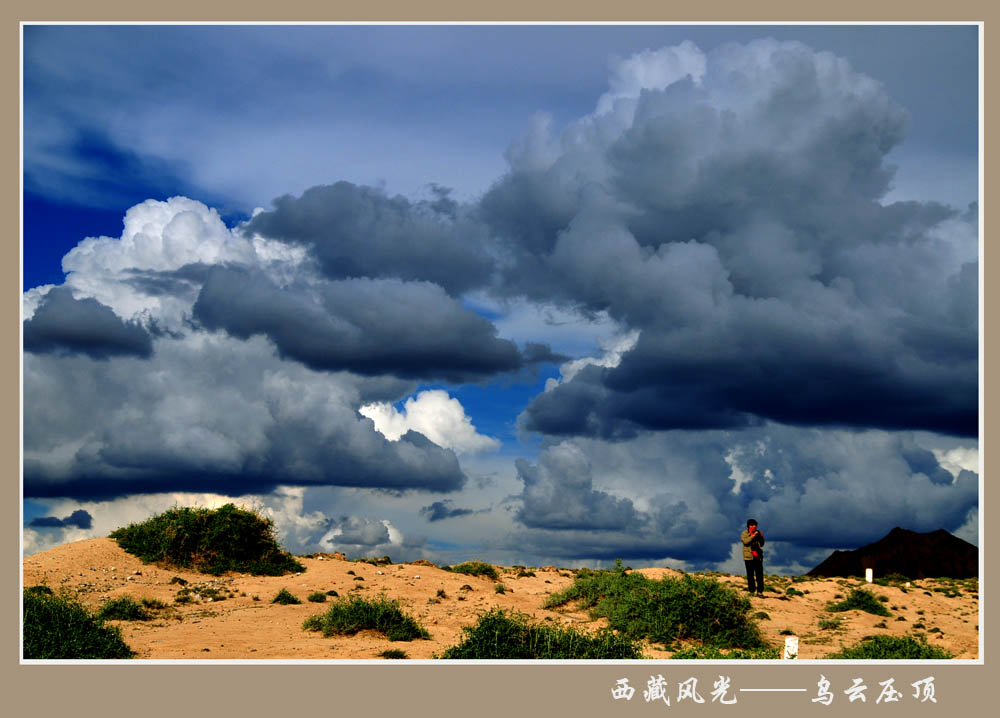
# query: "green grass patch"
392,653
316,597
711,653
153,603
124,608
209,541
352,614
665,610
475,568
892,647
60,627
828,624
286,598
499,635
861,600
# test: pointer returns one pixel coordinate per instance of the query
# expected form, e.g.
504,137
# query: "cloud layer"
745,326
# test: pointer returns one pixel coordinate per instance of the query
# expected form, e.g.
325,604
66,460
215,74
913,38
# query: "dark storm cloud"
441,510
358,231
80,519
558,494
213,414
811,490
64,325
368,326
737,223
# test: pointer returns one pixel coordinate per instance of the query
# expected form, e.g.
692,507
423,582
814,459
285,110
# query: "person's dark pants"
755,575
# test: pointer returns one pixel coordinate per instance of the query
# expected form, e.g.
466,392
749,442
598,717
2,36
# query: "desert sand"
240,627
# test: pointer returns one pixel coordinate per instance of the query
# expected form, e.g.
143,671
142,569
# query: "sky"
527,294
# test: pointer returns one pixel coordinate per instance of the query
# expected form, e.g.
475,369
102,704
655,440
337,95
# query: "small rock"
416,577
130,578
380,573
318,558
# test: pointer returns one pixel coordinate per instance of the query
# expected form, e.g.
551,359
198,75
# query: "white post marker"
868,575
791,648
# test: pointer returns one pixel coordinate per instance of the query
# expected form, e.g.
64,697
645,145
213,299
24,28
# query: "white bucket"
868,575
791,648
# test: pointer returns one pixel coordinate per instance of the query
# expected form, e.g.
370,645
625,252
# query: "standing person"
753,557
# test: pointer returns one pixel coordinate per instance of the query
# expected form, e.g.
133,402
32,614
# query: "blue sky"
532,294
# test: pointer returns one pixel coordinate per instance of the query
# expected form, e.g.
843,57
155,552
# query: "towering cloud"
778,339
733,216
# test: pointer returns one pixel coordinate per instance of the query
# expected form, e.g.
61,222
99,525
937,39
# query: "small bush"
827,624
392,653
441,593
500,635
124,608
792,591
60,627
500,588
153,603
332,593
711,653
474,568
210,541
350,615
316,597
762,616
860,600
285,598
39,590
892,648
666,610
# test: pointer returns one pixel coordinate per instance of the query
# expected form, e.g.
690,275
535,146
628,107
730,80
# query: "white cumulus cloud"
436,415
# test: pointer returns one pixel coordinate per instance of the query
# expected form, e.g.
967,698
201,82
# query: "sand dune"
239,627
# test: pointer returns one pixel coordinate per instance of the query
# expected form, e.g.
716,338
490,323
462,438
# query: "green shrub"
153,603
792,591
892,648
316,597
285,598
474,568
665,610
60,627
500,635
209,540
827,624
39,590
500,588
712,653
861,600
392,653
349,615
124,608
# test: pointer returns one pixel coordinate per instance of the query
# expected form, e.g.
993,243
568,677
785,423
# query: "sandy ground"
240,627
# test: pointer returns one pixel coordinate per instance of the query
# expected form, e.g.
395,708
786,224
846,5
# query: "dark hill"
912,554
